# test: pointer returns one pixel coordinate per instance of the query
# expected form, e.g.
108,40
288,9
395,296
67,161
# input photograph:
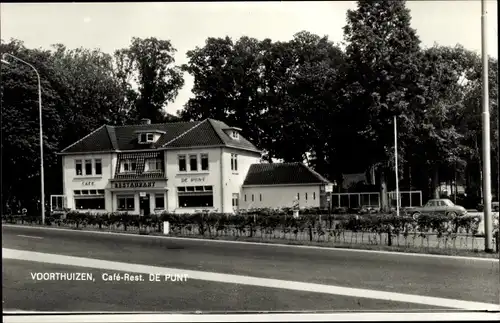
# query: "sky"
111,26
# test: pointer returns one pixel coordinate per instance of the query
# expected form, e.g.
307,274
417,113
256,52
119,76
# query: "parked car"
494,207
438,206
369,209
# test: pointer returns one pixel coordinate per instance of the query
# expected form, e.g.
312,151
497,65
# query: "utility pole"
488,229
40,114
396,163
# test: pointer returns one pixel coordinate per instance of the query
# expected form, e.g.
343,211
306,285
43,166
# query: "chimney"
145,121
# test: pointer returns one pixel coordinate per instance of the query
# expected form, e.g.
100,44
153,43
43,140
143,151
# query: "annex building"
180,167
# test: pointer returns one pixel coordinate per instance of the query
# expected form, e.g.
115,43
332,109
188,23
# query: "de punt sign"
134,184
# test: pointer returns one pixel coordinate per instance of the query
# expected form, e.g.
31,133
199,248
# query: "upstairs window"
154,165
78,167
129,166
98,167
145,138
193,162
234,162
182,163
235,134
88,167
204,161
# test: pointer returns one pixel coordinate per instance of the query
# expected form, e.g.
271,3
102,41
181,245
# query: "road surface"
231,276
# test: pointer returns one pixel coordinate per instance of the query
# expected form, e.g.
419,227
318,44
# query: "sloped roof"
174,135
281,174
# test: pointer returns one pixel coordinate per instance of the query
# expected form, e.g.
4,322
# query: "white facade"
276,196
88,182
99,191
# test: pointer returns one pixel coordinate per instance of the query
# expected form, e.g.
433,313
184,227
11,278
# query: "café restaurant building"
180,167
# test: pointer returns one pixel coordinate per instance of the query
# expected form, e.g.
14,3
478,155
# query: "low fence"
432,232
372,199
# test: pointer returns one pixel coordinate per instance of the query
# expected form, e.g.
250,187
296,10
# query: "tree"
148,63
382,50
471,123
91,95
438,142
278,92
80,92
20,126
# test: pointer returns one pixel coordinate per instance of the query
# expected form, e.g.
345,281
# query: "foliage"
383,51
313,224
149,63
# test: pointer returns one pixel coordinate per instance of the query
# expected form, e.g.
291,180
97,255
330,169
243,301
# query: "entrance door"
144,205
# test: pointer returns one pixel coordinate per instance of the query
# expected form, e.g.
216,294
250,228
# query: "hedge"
310,220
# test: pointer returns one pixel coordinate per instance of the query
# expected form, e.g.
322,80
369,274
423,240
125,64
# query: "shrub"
270,221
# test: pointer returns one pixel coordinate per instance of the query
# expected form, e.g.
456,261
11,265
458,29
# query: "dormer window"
233,133
145,138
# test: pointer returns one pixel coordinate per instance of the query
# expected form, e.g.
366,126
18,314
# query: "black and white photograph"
294,157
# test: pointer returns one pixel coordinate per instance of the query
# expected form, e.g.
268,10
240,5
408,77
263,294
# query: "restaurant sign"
134,184
193,179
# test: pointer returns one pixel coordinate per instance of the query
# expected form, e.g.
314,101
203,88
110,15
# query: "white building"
283,185
180,167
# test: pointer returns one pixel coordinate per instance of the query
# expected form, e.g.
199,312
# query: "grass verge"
330,245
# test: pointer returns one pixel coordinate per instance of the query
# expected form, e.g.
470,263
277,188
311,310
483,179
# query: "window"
252,198
98,167
88,167
146,138
182,163
160,201
298,196
236,198
260,197
306,196
89,200
92,203
154,165
190,196
204,161
314,195
129,165
234,162
126,203
193,162
245,197
235,134
78,167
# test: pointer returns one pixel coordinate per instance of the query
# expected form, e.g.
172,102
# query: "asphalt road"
459,279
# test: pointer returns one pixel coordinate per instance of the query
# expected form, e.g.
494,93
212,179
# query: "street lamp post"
396,163
488,234
42,184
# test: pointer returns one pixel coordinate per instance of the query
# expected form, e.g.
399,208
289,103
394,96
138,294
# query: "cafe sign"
134,184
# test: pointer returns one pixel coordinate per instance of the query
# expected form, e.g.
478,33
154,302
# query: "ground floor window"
195,196
126,202
236,199
89,200
160,201
90,203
